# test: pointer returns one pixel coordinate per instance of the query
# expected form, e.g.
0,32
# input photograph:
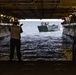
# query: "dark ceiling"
37,9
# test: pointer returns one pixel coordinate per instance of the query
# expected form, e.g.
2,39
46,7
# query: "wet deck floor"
36,48
37,68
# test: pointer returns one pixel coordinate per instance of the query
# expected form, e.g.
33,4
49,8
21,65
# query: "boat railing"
5,24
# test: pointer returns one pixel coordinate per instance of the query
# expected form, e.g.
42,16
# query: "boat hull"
48,28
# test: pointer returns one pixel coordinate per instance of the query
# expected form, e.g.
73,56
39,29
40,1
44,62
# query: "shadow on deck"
38,68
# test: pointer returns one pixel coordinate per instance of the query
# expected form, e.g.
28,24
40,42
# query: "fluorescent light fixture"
53,20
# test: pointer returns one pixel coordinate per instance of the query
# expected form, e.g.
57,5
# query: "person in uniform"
15,41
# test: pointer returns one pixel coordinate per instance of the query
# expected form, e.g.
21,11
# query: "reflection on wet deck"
39,48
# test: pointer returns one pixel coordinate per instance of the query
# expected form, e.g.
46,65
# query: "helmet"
14,20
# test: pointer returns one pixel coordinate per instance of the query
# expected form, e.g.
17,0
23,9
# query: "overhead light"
1,15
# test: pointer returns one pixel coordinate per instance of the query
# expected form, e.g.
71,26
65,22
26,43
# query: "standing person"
15,41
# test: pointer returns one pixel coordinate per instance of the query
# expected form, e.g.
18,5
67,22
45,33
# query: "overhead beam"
26,5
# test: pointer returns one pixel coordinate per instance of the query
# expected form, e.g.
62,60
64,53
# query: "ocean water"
36,46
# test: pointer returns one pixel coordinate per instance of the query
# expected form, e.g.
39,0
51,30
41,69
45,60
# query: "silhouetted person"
15,41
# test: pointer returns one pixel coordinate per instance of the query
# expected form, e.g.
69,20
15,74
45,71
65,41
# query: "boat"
69,26
45,27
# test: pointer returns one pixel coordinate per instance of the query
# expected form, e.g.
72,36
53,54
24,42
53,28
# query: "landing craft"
45,27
